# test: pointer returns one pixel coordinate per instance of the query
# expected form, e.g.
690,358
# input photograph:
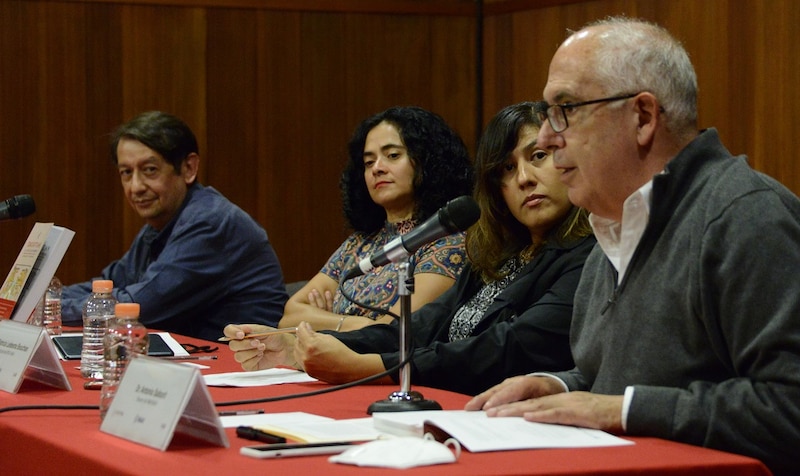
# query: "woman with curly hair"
509,312
404,164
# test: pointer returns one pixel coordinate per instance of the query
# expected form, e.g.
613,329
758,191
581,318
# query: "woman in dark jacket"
509,313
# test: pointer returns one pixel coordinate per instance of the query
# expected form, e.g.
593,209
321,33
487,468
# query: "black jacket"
525,329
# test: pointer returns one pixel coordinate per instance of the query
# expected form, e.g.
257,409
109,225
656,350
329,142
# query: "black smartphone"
283,450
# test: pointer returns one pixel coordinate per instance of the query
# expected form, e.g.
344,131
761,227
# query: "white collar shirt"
619,240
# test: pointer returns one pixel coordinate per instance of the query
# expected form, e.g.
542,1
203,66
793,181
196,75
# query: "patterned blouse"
470,314
378,288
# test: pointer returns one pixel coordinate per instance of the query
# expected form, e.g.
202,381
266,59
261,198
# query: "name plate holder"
156,399
26,352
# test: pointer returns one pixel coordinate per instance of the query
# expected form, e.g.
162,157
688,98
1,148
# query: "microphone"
456,215
17,207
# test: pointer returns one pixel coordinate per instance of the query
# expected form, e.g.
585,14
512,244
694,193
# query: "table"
69,442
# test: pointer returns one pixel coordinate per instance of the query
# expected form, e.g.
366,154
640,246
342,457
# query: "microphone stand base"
403,402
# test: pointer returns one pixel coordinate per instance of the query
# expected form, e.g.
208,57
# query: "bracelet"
339,327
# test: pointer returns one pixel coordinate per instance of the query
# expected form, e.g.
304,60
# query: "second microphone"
456,215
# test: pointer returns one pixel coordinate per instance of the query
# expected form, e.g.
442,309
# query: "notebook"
70,346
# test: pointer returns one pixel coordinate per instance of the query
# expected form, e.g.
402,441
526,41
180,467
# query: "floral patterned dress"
378,288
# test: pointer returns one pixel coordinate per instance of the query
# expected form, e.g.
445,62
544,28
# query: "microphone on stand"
456,215
17,207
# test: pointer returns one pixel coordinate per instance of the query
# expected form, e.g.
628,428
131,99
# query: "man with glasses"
686,322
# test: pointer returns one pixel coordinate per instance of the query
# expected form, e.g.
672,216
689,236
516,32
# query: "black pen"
251,433
241,412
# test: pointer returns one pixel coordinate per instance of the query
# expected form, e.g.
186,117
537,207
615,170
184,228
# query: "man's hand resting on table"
543,400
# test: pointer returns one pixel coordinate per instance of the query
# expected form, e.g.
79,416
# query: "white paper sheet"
265,419
257,378
306,427
173,344
476,432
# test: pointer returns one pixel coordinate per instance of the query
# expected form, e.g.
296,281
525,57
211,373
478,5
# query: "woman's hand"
261,352
321,300
326,358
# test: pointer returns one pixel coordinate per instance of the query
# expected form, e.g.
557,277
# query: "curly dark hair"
442,166
497,236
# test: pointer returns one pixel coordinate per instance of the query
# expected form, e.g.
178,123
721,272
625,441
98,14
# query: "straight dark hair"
162,132
497,236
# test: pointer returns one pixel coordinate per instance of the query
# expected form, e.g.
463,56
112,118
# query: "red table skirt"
66,442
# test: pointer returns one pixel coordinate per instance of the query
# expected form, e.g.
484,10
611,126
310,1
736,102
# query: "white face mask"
400,453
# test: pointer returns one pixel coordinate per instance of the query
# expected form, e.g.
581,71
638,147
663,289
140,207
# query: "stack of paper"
476,432
257,378
306,427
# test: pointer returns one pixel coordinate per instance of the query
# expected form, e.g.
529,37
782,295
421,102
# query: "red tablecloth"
66,442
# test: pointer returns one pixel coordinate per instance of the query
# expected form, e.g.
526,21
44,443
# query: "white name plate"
26,352
157,399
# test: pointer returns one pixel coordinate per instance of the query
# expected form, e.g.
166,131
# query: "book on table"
478,433
33,269
475,431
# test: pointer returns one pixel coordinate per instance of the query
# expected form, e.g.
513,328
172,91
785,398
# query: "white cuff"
626,404
545,374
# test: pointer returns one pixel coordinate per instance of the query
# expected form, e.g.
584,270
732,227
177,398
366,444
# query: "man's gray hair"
635,56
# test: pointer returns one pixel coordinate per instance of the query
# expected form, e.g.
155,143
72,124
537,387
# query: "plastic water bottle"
126,336
37,315
97,312
51,315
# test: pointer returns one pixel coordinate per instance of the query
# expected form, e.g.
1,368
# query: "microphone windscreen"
460,213
21,206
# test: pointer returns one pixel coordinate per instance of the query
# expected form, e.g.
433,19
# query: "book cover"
22,269
35,267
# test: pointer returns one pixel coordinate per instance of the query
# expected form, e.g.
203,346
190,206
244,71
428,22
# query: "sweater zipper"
615,294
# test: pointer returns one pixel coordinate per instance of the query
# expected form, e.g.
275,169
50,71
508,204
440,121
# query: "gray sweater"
706,322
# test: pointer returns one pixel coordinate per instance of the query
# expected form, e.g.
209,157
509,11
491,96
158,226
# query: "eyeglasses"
556,114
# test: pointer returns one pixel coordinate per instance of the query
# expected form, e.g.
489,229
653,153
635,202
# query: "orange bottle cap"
102,286
126,309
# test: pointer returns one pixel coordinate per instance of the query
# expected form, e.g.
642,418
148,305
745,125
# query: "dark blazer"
525,329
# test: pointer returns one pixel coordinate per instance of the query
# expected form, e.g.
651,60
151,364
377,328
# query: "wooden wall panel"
314,76
231,155
96,205
15,170
163,52
294,205
415,7
274,92
45,150
452,82
773,121
272,95
742,51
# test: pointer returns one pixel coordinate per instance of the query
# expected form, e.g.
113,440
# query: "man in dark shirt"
200,261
